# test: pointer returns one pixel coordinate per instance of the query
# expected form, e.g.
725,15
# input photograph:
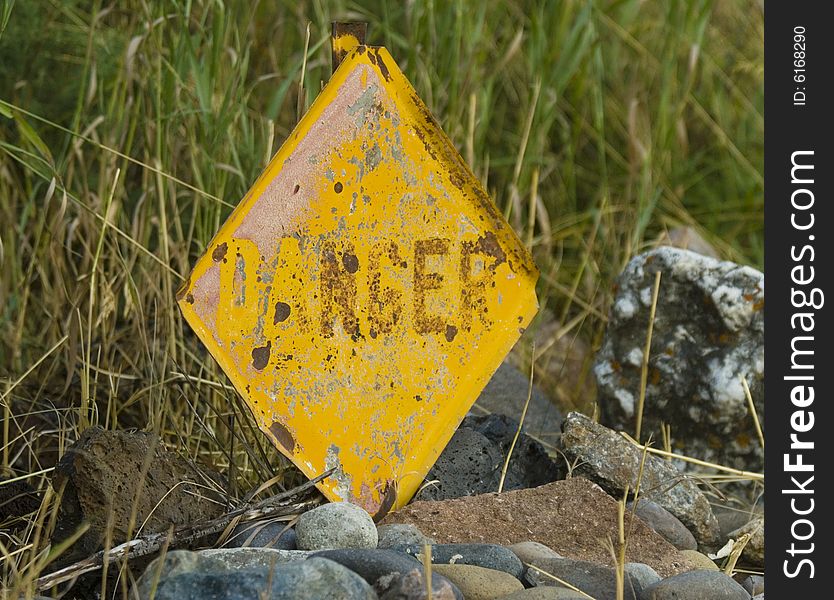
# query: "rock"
263,534
336,525
506,393
529,552
754,584
613,462
473,460
101,473
665,523
230,573
730,519
753,553
545,593
708,333
594,579
489,556
569,516
17,499
401,534
386,569
247,558
758,597
478,583
697,585
412,586
642,576
699,560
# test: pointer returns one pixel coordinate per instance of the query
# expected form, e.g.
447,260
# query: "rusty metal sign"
364,290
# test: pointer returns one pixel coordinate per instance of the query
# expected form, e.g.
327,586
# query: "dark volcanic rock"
708,333
107,472
613,462
506,394
472,461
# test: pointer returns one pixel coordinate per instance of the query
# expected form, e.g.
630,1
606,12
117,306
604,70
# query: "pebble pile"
336,552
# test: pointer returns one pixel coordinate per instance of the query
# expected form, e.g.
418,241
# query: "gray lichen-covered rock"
708,334
605,457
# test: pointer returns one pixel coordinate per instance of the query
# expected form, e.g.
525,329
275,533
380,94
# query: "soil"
574,517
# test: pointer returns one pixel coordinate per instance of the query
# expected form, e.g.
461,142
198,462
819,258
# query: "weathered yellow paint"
364,290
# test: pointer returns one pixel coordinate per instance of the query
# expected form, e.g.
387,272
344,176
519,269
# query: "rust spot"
418,398
282,312
338,290
296,188
383,68
260,356
758,306
451,332
389,495
338,187
350,262
219,253
189,297
283,435
425,281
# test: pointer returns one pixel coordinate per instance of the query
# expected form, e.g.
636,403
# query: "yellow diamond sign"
364,291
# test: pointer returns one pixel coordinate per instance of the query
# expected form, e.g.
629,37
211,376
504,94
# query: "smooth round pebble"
699,561
412,586
545,593
665,524
380,566
642,576
697,585
401,534
596,580
336,525
489,556
530,552
201,577
478,583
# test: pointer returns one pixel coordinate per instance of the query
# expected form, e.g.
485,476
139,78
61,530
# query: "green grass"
129,130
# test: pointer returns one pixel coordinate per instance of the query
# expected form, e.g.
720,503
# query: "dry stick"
520,424
148,544
695,461
644,370
427,569
752,408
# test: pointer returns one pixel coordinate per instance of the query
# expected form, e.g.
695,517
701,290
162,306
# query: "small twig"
644,370
151,543
427,570
695,461
753,412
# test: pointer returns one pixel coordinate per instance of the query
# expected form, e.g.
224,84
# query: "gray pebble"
754,584
594,579
697,585
488,556
642,576
336,525
665,523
